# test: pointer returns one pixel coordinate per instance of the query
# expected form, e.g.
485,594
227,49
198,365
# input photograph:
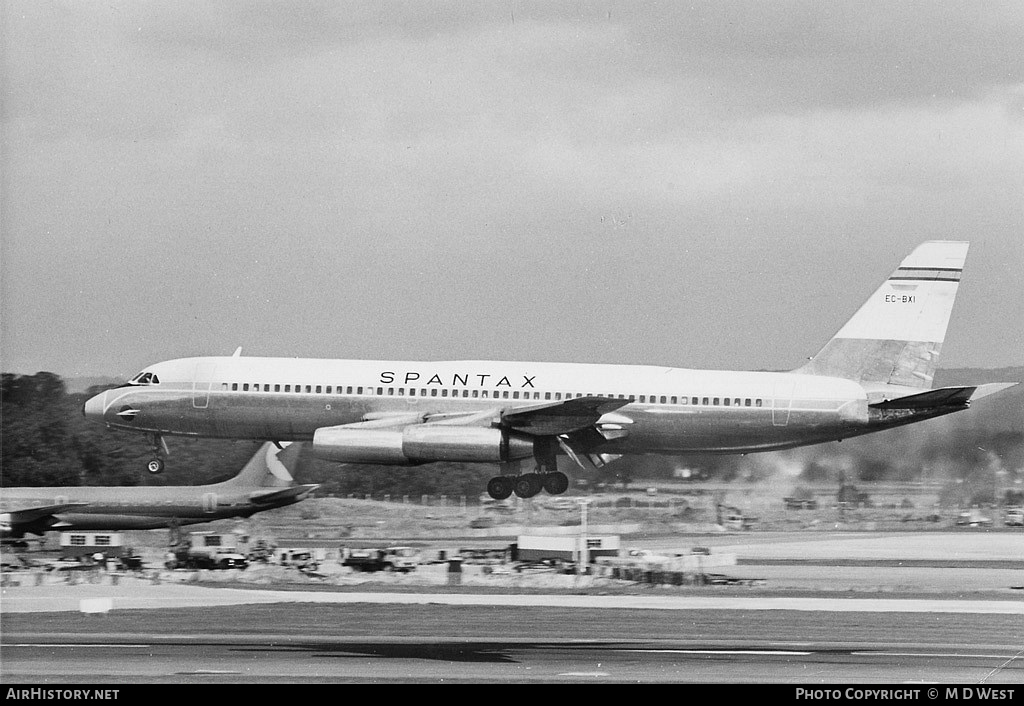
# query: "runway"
960,625
513,643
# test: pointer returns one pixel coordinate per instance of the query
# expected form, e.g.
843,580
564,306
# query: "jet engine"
416,444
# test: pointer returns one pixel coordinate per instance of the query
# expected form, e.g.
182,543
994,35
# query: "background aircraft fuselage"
140,507
264,483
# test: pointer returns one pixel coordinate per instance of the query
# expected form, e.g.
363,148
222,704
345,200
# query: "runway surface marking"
934,654
74,644
723,652
54,599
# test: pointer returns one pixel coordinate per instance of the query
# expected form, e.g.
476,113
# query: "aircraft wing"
33,518
944,397
296,492
34,514
580,425
545,419
554,418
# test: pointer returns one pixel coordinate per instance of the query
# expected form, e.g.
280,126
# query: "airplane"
264,483
874,374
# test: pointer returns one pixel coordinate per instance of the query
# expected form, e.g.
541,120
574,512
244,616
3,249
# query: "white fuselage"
669,410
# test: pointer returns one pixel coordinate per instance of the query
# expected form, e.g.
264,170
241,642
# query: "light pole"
584,555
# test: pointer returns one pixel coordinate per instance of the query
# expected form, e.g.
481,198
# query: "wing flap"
555,418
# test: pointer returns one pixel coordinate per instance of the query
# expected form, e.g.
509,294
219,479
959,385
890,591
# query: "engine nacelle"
420,443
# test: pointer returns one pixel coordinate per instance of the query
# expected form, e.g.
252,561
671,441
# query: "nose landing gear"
156,464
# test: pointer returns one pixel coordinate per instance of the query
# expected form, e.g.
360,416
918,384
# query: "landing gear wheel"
528,485
499,487
155,465
556,483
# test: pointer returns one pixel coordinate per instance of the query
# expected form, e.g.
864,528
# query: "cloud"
611,166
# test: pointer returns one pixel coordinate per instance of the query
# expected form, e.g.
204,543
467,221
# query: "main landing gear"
527,485
546,477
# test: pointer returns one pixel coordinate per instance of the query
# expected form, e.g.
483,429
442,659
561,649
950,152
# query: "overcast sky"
700,184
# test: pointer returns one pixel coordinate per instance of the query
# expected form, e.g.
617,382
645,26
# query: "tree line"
46,441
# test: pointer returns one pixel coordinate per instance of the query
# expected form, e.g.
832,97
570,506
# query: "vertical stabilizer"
270,467
896,336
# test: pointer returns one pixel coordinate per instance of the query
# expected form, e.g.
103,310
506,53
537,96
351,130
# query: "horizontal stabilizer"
990,388
943,397
298,492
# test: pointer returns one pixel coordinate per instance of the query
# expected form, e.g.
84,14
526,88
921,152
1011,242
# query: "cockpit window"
145,379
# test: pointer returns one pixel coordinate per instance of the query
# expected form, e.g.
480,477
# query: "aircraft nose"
94,406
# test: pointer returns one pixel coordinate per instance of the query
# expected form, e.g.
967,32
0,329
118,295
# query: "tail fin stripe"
930,269
931,274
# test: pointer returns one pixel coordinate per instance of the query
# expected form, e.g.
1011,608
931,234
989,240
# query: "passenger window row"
489,394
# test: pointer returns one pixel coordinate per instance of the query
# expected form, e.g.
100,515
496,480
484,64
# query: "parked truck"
402,559
301,559
207,550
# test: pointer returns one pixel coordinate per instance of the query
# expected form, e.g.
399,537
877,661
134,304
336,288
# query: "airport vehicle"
207,550
739,522
262,551
301,559
1014,517
402,559
874,374
973,518
264,483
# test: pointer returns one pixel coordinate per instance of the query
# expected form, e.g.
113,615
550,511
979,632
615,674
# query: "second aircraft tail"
896,336
270,467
